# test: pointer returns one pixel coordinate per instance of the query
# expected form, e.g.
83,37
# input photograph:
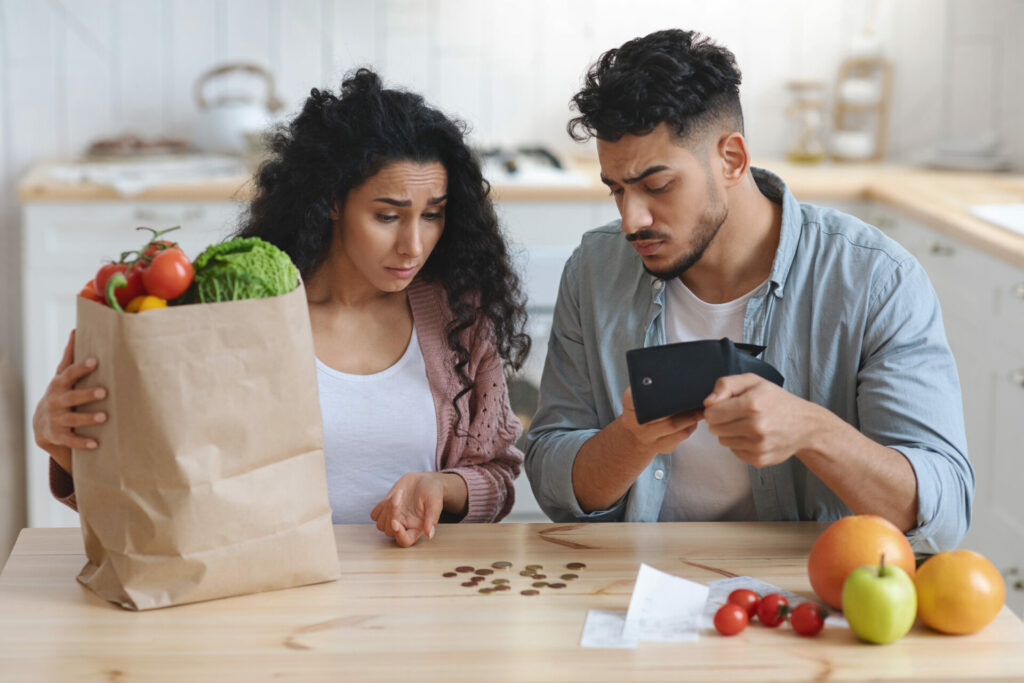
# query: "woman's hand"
55,419
414,505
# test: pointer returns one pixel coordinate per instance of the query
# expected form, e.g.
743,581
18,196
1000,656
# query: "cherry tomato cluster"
743,605
144,279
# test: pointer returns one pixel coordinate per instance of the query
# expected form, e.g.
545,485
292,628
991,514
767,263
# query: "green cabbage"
241,268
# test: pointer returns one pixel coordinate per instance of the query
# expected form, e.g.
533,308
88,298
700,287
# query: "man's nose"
635,214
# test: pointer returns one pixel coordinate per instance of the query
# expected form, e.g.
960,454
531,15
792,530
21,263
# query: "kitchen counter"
393,616
938,198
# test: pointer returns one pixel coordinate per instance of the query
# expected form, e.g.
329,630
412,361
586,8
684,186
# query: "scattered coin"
535,567
530,591
483,572
540,576
449,575
569,577
500,582
503,587
463,570
575,565
476,579
501,565
527,572
469,584
557,584
539,584
486,590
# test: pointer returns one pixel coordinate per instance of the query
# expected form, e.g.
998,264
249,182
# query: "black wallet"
676,378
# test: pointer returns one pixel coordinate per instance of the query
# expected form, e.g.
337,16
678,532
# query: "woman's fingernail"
431,534
100,393
91,444
100,417
90,363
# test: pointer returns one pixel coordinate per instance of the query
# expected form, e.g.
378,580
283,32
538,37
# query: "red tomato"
730,619
123,294
745,598
169,275
89,292
772,610
808,618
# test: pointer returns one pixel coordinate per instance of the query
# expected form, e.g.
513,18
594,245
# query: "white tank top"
707,482
376,428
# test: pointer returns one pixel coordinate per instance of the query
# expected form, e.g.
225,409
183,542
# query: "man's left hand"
762,423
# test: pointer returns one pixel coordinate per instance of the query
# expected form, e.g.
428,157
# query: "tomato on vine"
808,618
730,619
773,609
745,598
169,275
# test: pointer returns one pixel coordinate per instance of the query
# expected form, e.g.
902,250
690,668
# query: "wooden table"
392,616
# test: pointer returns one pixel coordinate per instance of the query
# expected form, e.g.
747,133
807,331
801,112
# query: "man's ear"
734,158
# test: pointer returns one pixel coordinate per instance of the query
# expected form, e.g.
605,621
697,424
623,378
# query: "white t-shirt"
707,482
376,428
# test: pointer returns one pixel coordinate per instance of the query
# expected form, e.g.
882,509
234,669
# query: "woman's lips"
647,248
402,273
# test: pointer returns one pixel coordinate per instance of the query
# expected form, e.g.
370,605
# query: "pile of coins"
534,573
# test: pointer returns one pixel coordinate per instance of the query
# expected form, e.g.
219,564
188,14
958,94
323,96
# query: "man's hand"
759,421
657,436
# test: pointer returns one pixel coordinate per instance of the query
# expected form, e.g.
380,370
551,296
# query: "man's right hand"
609,463
55,419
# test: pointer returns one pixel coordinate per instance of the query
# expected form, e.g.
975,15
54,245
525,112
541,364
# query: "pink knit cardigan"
481,447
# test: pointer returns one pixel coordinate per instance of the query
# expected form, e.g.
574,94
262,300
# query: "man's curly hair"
676,77
340,141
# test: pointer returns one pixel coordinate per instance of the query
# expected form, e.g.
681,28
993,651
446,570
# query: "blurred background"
101,79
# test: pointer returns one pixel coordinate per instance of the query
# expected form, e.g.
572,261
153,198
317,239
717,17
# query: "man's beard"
710,223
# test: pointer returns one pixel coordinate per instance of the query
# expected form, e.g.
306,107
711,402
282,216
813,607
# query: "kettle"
227,124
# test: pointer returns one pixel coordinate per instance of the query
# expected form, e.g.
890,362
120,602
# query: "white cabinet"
982,300
64,243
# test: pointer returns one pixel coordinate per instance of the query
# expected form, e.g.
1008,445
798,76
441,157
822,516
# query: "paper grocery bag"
209,478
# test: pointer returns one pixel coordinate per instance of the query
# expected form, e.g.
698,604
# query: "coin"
529,591
476,579
483,572
469,584
463,570
540,576
569,577
575,565
503,587
449,575
556,585
500,582
487,590
535,566
539,584
527,572
501,565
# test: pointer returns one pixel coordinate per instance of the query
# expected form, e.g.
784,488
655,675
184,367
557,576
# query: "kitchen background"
74,71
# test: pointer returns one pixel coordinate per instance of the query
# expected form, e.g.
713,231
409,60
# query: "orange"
958,591
853,542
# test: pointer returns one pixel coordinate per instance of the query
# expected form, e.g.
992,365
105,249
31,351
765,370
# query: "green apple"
880,602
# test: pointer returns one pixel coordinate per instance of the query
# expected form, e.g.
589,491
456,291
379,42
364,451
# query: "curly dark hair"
340,141
676,77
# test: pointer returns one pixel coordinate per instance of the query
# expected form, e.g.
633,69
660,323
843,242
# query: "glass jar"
806,119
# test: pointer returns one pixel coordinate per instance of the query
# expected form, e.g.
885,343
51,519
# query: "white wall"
75,70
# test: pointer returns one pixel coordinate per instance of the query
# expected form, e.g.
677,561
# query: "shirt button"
658,284
659,474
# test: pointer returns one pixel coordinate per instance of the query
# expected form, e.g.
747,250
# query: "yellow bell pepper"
145,302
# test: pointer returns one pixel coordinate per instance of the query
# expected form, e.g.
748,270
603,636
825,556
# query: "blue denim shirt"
848,316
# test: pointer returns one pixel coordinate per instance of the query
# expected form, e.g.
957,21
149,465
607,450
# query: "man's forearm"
606,466
868,477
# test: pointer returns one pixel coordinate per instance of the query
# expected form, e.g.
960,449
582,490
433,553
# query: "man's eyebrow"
636,179
408,202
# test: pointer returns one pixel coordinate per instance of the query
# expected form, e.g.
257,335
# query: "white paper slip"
1009,216
718,594
603,629
664,607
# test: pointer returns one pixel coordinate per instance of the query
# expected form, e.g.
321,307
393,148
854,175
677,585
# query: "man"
870,419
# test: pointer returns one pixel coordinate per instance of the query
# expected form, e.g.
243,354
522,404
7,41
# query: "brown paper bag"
209,479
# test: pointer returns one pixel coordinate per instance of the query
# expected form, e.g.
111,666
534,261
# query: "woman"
414,309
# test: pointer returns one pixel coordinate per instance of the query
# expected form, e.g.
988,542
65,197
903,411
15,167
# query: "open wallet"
676,378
